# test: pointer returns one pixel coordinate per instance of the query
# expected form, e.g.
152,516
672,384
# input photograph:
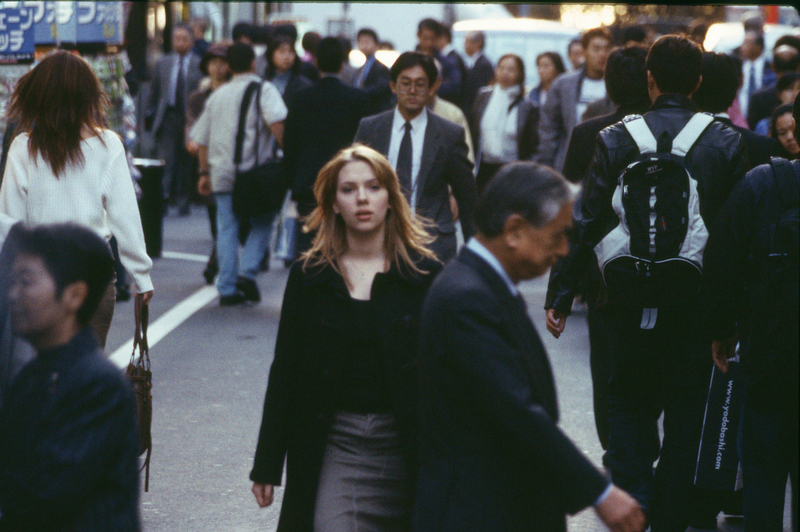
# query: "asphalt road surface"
210,366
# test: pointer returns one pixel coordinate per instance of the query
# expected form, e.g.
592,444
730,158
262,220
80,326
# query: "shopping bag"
141,379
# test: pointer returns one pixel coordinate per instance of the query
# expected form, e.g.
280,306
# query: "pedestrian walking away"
340,407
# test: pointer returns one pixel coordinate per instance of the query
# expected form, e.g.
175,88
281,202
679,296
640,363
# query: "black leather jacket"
717,161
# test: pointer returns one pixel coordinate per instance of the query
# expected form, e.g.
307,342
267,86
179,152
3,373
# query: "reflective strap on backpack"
690,133
640,132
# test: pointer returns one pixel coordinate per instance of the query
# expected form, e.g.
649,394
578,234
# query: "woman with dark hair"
340,407
66,166
549,66
782,129
283,67
503,121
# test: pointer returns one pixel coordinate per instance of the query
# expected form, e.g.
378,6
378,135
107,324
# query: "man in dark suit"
322,120
756,69
716,94
428,152
785,59
444,45
492,455
175,76
428,33
373,77
479,70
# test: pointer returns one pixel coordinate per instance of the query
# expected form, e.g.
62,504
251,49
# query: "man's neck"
594,74
497,248
407,114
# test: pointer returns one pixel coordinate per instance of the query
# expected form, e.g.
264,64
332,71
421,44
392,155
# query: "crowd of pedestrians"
409,389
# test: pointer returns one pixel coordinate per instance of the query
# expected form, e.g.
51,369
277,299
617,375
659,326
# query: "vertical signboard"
99,22
17,41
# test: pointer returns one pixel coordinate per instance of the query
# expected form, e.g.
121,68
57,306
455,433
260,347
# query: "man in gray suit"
175,76
569,97
428,152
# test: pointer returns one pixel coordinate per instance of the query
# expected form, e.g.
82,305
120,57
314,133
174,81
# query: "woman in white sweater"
65,166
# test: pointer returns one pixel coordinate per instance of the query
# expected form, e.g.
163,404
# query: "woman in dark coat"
283,68
503,121
340,406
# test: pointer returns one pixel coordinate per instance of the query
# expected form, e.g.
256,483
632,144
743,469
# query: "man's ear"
393,87
74,295
512,230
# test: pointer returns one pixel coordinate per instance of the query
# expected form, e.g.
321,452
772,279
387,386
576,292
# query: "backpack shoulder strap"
786,179
248,93
684,141
640,133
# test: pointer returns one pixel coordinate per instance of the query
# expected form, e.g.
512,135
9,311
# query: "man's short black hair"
240,57
781,63
368,32
634,33
626,78
429,24
310,41
444,31
408,60
532,190
70,253
721,77
600,32
789,39
787,81
242,29
675,63
288,29
330,55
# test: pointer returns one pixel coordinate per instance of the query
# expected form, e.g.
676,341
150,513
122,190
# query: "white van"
525,37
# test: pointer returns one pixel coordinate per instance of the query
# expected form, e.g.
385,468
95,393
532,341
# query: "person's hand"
204,185
146,297
555,322
621,513
722,350
453,207
263,493
191,147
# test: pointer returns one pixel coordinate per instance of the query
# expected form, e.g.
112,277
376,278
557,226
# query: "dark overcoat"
304,380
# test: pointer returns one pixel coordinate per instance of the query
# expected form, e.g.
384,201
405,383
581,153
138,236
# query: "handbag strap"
142,317
248,93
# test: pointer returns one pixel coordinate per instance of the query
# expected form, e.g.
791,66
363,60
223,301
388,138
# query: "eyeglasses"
407,87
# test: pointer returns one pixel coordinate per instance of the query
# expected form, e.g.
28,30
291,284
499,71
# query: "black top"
363,378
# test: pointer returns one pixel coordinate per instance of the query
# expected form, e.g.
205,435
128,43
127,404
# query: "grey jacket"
159,96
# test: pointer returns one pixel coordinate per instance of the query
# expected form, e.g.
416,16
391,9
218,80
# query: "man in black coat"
491,455
322,120
479,70
69,437
373,76
785,59
436,152
716,94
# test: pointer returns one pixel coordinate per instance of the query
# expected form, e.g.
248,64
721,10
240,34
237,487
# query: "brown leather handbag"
142,380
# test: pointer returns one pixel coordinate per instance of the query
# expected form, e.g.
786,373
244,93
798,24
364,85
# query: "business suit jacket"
759,147
557,118
322,120
527,122
761,105
376,86
444,162
491,454
476,78
160,96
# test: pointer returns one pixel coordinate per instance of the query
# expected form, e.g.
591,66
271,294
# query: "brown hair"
405,231
53,103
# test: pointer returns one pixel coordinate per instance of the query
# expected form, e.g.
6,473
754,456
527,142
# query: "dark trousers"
486,172
600,362
769,454
664,369
177,161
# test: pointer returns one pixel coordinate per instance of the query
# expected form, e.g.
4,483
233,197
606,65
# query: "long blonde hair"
405,231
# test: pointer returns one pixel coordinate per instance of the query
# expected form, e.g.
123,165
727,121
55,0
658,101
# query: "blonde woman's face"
361,200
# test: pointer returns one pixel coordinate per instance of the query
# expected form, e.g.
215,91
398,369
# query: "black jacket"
304,379
717,161
322,119
69,444
376,86
527,122
759,147
476,78
492,456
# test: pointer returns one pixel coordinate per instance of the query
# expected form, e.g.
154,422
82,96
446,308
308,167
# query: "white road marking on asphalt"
167,323
184,256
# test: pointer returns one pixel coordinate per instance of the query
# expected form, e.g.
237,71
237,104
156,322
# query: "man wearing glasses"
427,151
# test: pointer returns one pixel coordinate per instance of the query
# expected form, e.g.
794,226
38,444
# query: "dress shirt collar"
447,49
480,250
417,124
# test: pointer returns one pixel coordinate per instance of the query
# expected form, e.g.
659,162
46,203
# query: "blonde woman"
340,406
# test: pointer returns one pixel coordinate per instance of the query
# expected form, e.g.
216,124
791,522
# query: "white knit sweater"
98,194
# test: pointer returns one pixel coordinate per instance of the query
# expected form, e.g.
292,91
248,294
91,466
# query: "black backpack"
773,346
653,258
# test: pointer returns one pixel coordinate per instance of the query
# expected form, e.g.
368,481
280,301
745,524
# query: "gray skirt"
364,484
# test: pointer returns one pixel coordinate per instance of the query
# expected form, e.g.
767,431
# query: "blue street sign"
16,33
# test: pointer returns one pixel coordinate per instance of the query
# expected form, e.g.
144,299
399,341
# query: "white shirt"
173,80
217,125
481,251
470,60
98,194
499,126
418,126
744,92
591,91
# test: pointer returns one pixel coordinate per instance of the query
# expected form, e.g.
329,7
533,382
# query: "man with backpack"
751,296
647,223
